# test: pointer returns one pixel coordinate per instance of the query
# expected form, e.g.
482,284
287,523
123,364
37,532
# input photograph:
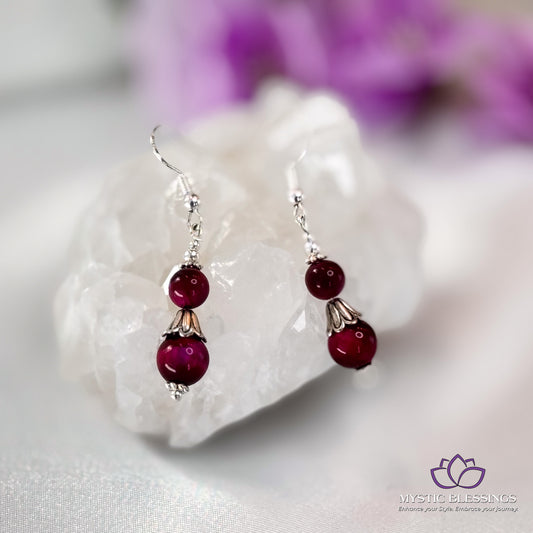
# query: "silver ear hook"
192,203
292,176
185,185
300,215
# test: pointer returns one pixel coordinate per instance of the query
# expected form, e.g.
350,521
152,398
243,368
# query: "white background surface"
333,457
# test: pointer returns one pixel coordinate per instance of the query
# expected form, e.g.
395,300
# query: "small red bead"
324,279
188,288
182,359
354,346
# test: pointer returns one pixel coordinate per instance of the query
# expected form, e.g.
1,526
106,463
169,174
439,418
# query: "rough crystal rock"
266,335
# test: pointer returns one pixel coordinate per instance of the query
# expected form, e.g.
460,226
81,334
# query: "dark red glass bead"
324,279
188,288
182,359
354,346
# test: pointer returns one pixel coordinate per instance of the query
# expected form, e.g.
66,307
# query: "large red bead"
182,359
354,346
324,279
188,288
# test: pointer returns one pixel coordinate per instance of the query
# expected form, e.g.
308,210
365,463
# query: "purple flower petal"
500,84
441,478
456,467
471,477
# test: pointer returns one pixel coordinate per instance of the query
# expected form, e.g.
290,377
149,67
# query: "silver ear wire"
192,204
185,185
300,215
292,176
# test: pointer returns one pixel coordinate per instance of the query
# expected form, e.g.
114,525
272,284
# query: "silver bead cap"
339,314
185,324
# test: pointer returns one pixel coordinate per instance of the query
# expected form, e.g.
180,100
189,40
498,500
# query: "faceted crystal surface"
266,335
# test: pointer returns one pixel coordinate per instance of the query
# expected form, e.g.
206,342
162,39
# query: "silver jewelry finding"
185,324
182,357
296,198
340,313
191,201
177,390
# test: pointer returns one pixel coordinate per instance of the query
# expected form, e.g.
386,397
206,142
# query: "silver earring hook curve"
192,204
185,185
292,174
296,198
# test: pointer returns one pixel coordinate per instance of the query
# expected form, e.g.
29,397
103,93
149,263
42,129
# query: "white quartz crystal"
265,334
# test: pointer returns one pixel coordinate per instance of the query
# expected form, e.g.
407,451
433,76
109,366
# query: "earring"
352,342
182,356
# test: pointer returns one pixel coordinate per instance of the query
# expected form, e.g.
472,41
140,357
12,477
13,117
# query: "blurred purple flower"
500,85
387,58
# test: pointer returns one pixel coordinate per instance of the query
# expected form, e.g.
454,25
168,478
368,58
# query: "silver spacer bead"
190,256
191,202
296,197
177,390
315,257
190,264
311,247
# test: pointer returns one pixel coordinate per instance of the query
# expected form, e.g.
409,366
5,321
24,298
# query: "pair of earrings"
183,358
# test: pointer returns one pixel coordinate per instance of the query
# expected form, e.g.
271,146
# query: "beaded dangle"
352,342
182,356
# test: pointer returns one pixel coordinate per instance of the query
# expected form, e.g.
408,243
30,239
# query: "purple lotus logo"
457,472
